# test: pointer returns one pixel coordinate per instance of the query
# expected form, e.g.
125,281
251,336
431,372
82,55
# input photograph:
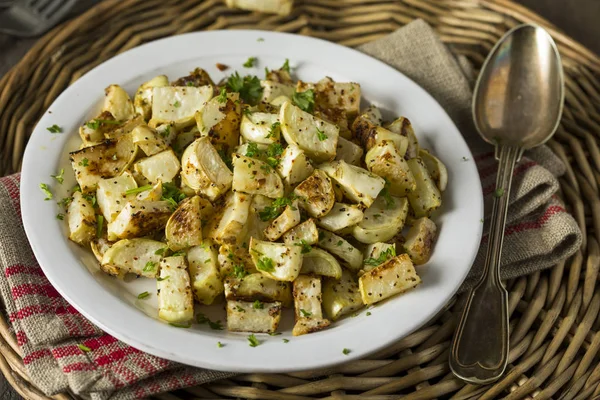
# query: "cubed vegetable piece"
426,198
228,225
142,101
330,94
383,220
294,166
105,160
317,138
306,231
359,185
384,160
204,272
148,140
175,302
395,276
260,127
139,218
339,247
341,297
112,196
376,254
118,103
437,170
276,260
220,120
403,127
163,166
255,177
273,90
307,306
289,218
316,194
184,228
320,262
82,220
136,256
341,216
203,170
178,104
256,286
349,152
152,194
259,317
420,240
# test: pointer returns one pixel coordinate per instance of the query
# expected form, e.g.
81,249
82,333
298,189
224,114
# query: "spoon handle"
479,352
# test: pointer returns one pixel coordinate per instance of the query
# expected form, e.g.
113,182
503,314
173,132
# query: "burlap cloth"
50,331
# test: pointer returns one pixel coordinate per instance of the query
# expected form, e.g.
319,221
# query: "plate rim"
27,190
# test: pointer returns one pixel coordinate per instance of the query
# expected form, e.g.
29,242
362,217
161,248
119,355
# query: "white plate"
112,304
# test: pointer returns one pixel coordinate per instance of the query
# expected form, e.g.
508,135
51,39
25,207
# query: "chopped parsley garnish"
219,344
246,111
178,325
253,341
172,194
222,97
260,39
84,348
306,248
481,220
274,149
138,190
239,271
65,202
143,295
249,62
226,158
265,264
385,193
346,351
239,309
321,135
258,305
368,313
248,87
321,235
55,129
178,253
267,72
274,333
160,279
305,313
166,132
99,225
60,216
60,178
91,198
383,257
499,192
46,189
273,129
275,209
266,168
207,261
286,66
177,104
339,243
160,252
305,100
85,162
203,319
150,265
252,150
286,340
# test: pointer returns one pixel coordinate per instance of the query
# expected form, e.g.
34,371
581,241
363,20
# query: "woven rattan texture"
555,325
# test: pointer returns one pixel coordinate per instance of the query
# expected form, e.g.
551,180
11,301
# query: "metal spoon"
517,105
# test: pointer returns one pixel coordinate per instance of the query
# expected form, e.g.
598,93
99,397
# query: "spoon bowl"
519,94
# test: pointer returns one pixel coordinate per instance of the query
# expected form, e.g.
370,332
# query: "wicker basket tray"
555,330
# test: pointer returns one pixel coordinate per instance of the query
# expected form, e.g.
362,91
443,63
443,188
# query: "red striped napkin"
63,351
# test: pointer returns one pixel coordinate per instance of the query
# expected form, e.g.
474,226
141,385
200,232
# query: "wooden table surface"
578,18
